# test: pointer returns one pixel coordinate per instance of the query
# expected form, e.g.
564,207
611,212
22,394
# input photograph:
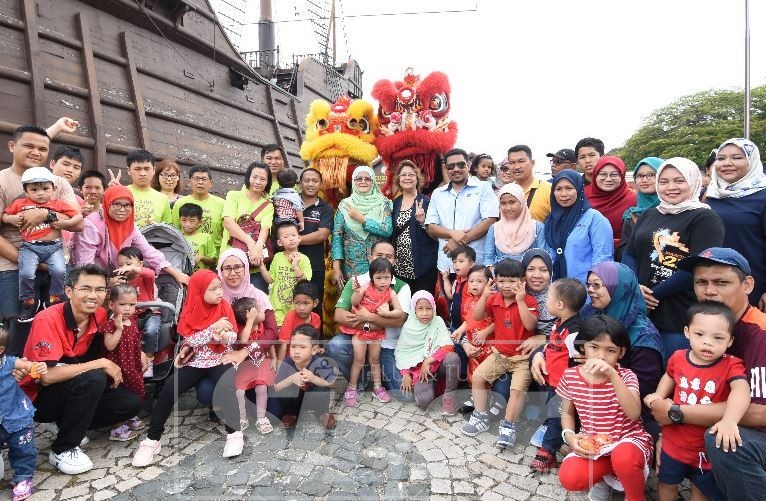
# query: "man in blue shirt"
461,211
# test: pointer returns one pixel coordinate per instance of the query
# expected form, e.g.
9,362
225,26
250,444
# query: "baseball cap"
564,154
716,255
37,175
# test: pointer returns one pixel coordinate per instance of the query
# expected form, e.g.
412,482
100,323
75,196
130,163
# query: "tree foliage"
693,125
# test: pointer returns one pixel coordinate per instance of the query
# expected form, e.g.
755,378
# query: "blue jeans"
339,349
552,440
151,333
30,255
259,282
672,342
740,474
22,453
9,311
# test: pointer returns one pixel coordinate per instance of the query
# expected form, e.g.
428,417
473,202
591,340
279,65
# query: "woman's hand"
420,214
234,357
538,368
470,350
406,386
651,301
531,344
480,337
274,365
762,302
114,180
144,362
355,214
222,325
255,253
337,277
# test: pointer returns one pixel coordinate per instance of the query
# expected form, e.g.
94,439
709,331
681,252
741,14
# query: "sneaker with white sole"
506,435
537,438
147,449
72,462
478,423
235,442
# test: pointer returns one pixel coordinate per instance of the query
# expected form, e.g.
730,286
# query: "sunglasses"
456,165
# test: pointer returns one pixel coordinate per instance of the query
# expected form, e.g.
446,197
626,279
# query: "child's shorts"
673,472
496,365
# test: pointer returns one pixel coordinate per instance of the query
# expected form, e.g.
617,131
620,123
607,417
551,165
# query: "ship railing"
264,61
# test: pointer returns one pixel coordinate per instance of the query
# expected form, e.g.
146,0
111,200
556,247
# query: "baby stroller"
177,251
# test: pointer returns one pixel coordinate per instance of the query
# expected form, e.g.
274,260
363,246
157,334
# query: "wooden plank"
135,90
32,46
275,122
94,95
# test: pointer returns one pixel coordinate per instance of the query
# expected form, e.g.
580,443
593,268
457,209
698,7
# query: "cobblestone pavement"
378,451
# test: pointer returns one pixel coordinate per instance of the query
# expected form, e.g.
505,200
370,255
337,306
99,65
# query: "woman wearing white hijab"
678,227
737,192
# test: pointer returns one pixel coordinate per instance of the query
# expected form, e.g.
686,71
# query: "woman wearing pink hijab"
515,232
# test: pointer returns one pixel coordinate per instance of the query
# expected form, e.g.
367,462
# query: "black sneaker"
28,311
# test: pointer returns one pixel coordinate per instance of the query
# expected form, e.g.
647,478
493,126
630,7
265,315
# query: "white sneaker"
85,440
72,462
147,449
235,442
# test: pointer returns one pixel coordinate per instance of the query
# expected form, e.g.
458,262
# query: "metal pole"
747,69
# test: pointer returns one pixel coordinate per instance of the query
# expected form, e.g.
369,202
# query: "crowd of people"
636,310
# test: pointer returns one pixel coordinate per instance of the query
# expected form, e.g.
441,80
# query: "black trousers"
425,283
316,400
70,404
224,397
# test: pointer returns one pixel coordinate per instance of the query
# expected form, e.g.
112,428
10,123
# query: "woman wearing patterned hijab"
736,192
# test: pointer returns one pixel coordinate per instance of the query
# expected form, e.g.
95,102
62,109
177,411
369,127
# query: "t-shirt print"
667,251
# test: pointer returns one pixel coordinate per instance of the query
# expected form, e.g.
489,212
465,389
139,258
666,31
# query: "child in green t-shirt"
190,216
287,267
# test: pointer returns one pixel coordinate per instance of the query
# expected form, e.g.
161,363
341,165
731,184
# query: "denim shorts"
673,472
9,299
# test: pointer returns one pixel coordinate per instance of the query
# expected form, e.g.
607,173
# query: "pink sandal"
22,490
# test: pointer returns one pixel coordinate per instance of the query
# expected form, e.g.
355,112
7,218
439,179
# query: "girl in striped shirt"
612,441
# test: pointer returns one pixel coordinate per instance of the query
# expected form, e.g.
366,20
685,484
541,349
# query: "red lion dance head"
414,122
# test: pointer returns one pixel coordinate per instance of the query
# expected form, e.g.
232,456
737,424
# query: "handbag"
249,225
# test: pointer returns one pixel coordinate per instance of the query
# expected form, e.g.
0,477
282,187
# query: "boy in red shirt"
463,259
472,334
305,299
42,243
515,317
566,297
702,375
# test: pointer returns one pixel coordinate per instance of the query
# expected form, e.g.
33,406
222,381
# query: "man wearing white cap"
42,242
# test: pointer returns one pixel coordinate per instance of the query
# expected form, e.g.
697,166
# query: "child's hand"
252,314
295,258
118,322
300,226
650,399
197,258
596,366
488,288
521,294
425,371
471,350
37,369
221,325
573,440
455,336
480,337
406,386
726,434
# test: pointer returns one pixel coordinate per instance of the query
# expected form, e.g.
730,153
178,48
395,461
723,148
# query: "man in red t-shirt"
722,274
80,391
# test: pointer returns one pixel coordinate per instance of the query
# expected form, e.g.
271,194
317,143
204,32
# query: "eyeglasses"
91,290
456,165
119,206
233,269
407,174
609,175
504,168
195,179
594,285
363,179
651,175
169,176
559,161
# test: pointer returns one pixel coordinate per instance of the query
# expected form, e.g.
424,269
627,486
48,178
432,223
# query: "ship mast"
266,39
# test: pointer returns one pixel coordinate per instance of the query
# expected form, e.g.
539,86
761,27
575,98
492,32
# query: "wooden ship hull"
154,74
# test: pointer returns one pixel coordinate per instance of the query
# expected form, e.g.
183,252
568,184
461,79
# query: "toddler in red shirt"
305,299
701,375
472,334
514,314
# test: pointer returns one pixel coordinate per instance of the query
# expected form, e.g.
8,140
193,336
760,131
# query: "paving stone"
150,473
42,495
438,470
441,486
55,482
552,491
462,487
102,495
492,496
127,484
77,490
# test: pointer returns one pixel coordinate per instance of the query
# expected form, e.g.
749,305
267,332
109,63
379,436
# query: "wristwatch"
366,327
675,414
52,217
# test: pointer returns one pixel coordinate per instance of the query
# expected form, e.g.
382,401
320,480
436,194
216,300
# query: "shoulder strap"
531,196
259,209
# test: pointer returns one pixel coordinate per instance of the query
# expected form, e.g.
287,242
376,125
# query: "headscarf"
371,204
197,315
419,341
562,220
753,182
245,289
644,201
693,176
514,236
627,305
533,253
544,319
118,231
612,204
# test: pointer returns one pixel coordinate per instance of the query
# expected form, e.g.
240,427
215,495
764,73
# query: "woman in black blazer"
415,249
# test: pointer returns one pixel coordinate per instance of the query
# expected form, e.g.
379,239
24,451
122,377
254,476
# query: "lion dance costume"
414,124
339,137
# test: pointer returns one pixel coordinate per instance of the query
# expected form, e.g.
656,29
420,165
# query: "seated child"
472,334
304,379
122,345
701,375
305,299
41,244
131,271
286,269
514,314
17,428
205,253
376,296
288,205
612,440
566,296
250,374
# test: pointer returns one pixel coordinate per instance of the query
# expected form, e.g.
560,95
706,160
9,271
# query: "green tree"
693,125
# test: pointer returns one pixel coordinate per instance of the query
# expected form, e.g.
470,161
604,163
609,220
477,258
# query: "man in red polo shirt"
80,391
